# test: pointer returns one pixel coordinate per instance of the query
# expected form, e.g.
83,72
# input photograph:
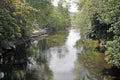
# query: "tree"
102,19
45,7
55,18
14,21
112,16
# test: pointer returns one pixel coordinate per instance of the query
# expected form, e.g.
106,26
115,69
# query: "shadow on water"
113,71
25,63
13,63
29,62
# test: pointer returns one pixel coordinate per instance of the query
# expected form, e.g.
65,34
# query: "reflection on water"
43,60
63,57
12,65
90,65
25,63
81,72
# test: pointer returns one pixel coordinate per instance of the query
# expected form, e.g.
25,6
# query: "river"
63,57
46,59
41,61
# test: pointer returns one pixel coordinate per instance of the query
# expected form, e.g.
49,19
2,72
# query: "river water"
44,60
63,57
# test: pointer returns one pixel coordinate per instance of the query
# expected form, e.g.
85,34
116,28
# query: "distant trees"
101,18
50,16
59,19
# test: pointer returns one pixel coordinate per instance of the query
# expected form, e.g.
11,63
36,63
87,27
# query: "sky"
73,6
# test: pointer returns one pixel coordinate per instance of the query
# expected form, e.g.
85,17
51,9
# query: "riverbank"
93,60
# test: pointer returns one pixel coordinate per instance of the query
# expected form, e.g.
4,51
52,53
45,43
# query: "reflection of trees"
42,72
92,61
14,63
40,51
61,52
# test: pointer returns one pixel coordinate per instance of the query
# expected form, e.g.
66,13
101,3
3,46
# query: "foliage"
100,21
82,19
112,17
93,20
45,7
49,16
58,21
113,52
17,19
14,21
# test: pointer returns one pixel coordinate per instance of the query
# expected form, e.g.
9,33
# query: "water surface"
63,57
